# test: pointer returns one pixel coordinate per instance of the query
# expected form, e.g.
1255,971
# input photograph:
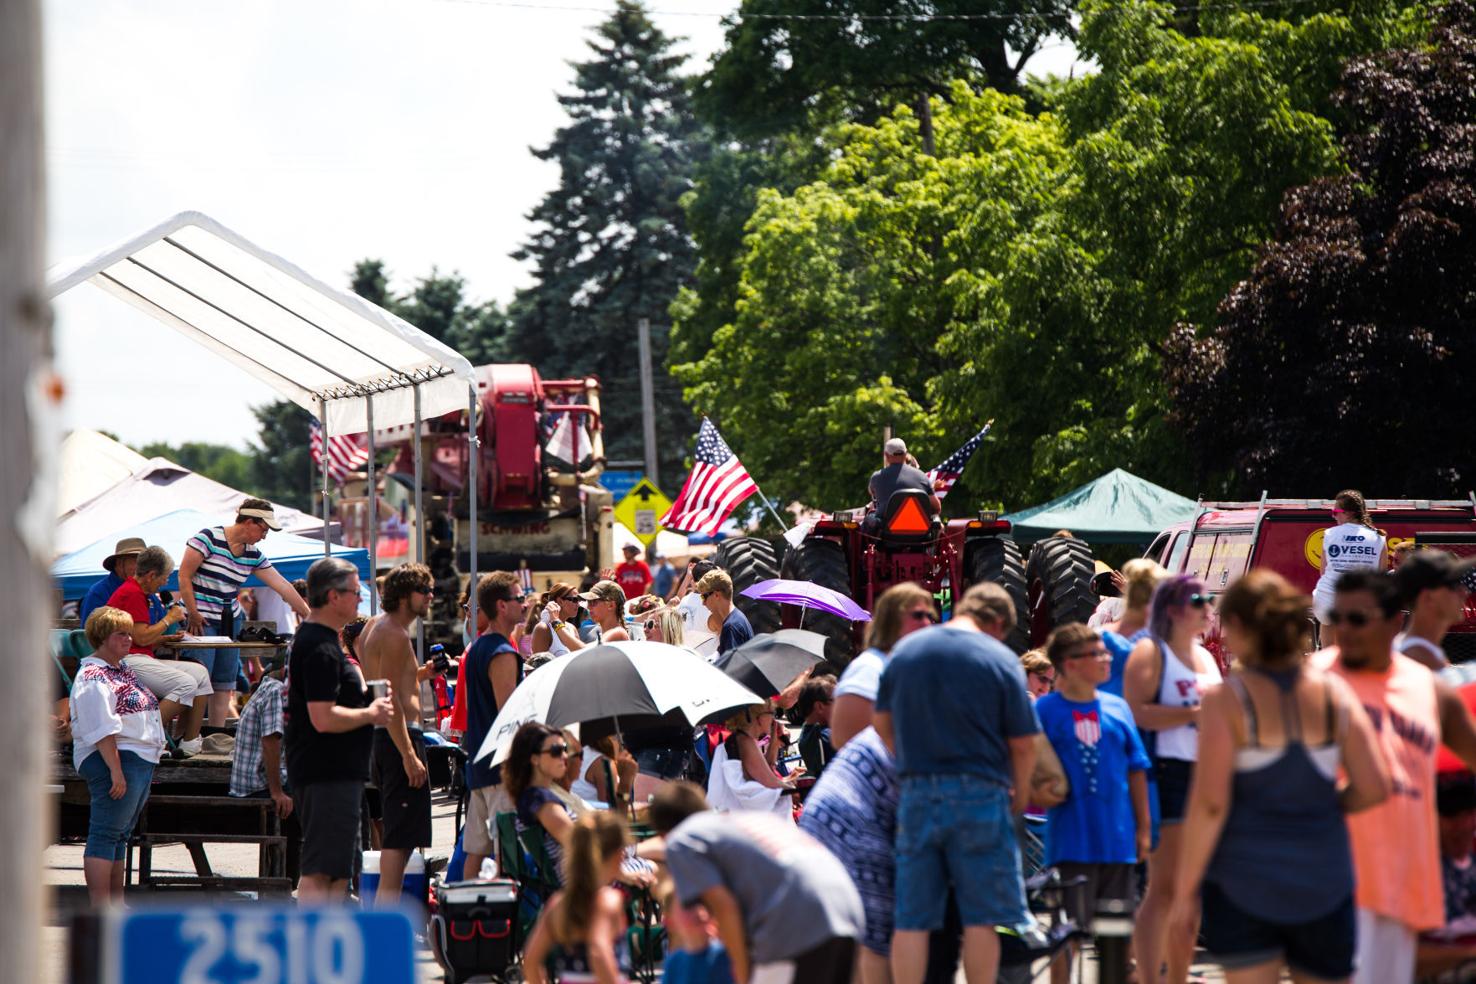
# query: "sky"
326,131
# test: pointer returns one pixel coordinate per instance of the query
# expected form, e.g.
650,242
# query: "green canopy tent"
1119,507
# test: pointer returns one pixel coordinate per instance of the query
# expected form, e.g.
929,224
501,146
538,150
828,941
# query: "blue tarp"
290,555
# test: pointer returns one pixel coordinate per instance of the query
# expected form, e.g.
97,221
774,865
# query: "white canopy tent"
91,463
352,364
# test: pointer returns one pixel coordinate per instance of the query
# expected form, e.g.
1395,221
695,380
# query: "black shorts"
1117,882
1237,939
829,963
1173,777
407,809
329,813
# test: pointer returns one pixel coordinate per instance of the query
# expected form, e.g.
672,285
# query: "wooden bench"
227,814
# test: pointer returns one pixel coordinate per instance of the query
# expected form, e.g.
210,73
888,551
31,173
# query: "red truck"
1226,539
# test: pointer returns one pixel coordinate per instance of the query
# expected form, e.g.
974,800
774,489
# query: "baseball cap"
605,591
130,546
1455,793
1426,569
895,445
631,548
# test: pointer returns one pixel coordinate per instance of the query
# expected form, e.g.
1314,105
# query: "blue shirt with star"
1099,748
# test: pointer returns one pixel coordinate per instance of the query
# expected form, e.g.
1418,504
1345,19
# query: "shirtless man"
399,764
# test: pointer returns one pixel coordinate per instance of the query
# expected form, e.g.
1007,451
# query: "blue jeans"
956,830
112,820
224,664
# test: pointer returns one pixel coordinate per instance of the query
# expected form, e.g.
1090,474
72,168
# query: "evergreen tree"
611,245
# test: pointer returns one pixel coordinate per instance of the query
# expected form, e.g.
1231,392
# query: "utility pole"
648,402
29,403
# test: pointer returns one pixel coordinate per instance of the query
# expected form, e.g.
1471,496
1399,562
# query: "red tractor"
861,559
536,509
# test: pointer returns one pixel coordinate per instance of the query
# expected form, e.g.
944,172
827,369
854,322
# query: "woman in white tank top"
1167,674
1352,545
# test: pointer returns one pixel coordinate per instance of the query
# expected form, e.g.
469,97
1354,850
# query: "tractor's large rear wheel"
997,560
1059,574
824,563
749,560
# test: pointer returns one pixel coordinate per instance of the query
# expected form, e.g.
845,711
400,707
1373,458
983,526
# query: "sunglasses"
557,751
1097,653
428,592
708,594
1356,619
1199,600
923,617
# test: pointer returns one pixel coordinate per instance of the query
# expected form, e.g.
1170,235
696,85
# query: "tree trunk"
924,108
26,492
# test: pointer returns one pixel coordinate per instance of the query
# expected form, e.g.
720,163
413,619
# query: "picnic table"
189,804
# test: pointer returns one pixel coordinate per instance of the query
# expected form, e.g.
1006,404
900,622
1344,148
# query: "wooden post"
27,388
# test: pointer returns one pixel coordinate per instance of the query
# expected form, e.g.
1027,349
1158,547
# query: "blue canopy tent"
290,555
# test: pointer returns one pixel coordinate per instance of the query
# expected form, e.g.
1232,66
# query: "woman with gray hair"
182,688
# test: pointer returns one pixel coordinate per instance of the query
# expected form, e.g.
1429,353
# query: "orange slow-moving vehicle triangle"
910,518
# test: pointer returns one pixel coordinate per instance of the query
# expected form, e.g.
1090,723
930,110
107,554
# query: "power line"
739,15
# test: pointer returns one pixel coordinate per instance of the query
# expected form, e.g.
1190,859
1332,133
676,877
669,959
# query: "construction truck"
540,509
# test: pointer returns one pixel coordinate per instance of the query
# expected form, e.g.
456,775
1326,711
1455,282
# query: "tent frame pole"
471,478
371,516
419,557
323,462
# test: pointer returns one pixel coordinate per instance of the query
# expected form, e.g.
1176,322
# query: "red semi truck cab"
1226,539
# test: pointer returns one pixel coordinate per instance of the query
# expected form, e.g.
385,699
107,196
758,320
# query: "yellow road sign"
641,510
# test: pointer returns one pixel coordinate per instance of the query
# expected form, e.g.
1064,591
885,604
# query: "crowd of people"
1281,808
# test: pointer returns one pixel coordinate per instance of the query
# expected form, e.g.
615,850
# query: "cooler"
416,886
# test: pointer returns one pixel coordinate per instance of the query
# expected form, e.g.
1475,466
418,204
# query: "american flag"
717,484
346,453
956,462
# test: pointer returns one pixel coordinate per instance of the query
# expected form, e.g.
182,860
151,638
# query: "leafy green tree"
788,63
1344,357
282,468
1030,269
611,245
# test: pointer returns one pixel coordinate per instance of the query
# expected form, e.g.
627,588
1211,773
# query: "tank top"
556,645
1284,851
569,963
1396,845
1182,687
1347,547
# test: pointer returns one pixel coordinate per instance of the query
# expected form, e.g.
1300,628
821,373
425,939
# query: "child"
580,934
1102,829
695,955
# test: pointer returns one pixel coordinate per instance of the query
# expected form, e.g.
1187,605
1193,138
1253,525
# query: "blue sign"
620,482
262,944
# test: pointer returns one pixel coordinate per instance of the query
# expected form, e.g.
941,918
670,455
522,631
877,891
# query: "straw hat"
127,547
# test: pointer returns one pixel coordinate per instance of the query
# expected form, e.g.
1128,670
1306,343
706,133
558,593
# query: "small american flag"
717,484
954,465
346,453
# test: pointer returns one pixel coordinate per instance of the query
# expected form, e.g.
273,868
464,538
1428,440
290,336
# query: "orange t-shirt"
1396,845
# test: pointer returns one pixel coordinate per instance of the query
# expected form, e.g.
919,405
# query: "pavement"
64,876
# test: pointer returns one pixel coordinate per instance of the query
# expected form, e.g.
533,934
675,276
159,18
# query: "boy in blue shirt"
694,954
1102,829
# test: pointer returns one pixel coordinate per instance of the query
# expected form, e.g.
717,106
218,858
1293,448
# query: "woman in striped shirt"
217,561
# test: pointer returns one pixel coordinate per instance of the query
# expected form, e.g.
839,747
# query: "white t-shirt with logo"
1349,547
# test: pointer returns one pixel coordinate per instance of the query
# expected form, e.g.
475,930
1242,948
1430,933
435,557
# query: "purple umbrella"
807,594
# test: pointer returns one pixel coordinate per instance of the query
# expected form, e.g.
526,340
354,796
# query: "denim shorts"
956,830
224,664
111,821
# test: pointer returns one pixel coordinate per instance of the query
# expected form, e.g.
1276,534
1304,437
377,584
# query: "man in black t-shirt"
897,474
330,721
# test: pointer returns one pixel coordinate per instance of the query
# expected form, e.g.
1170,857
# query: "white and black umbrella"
615,688
770,661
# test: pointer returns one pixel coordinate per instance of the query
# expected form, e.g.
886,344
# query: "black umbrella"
770,661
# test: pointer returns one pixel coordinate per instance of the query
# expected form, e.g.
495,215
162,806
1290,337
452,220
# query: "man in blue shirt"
494,669
953,707
120,567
